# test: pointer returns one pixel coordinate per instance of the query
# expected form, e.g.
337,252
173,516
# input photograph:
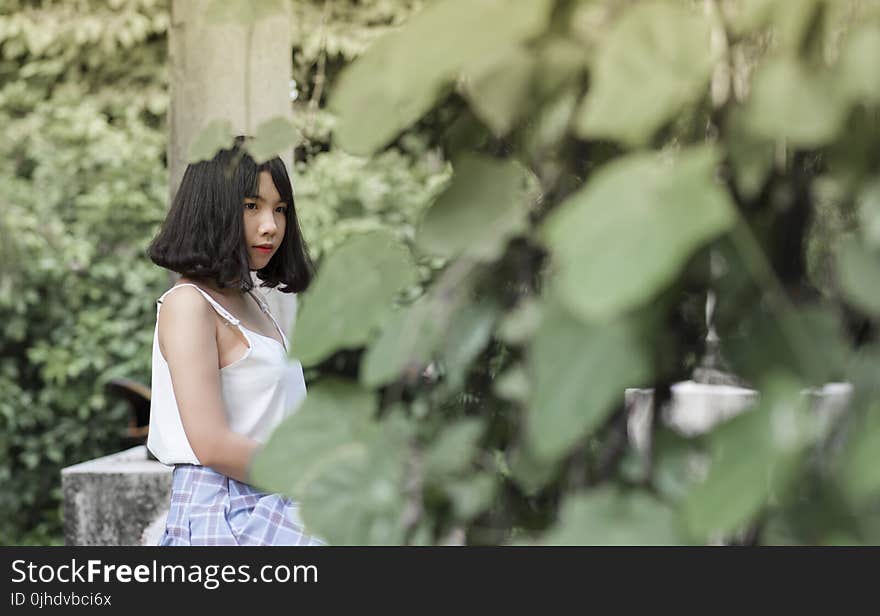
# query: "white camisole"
259,390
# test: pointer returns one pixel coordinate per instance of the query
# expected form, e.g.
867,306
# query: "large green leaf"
402,74
408,339
858,469
351,295
469,331
656,59
622,238
332,423
754,458
454,449
858,271
215,136
357,497
860,65
579,373
790,102
271,138
498,88
606,516
485,205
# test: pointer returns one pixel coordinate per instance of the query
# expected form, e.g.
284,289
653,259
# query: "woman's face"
264,222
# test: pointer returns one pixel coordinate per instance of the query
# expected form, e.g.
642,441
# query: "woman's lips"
262,249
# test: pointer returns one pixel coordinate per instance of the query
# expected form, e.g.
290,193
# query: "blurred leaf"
755,457
859,473
271,139
469,331
216,136
512,385
606,516
859,273
761,346
454,449
869,213
792,103
520,324
624,236
472,495
333,422
860,65
356,498
485,206
408,338
579,374
656,59
351,295
402,74
497,87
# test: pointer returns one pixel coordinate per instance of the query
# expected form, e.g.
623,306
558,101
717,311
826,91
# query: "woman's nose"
267,224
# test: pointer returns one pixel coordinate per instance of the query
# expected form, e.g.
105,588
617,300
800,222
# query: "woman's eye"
283,209
249,203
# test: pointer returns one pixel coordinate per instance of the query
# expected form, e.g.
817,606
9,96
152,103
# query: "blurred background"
562,247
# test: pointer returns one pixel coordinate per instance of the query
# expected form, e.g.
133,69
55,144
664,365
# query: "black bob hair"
202,236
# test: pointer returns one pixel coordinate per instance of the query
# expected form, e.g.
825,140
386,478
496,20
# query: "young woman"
221,380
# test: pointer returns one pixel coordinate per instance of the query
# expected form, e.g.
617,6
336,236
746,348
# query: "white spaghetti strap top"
259,390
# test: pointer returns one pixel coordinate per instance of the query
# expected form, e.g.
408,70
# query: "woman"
221,380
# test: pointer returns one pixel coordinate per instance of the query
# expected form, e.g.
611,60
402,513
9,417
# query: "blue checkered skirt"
208,508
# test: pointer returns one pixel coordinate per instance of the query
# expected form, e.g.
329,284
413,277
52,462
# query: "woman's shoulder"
183,306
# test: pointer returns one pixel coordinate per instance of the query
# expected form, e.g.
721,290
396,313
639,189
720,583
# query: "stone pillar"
210,71
114,499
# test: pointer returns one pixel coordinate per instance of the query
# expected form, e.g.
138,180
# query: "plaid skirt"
208,508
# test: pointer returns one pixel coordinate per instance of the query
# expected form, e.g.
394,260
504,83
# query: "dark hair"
202,236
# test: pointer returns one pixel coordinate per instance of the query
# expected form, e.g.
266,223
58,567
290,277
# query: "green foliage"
676,149
82,188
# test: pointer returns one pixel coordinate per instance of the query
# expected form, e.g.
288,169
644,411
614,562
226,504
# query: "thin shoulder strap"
265,308
220,309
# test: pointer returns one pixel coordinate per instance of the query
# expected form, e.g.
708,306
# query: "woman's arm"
187,338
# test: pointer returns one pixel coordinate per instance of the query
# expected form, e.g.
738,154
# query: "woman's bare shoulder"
185,315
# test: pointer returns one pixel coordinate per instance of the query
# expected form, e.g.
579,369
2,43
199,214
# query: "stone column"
210,71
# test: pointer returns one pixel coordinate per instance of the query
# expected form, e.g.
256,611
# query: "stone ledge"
112,500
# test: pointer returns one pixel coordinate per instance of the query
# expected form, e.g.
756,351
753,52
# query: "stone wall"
113,500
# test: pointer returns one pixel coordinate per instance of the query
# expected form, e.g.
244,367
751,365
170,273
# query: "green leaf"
216,136
858,470
622,238
357,498
868,203
469,331
332,423
497,88
351,295
860,65
792,103
472,495
858,272
579,374
512,384
656,58
407,341
520,324
272,137
243,12
402,74
485,205
755,457
454,449
606,516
